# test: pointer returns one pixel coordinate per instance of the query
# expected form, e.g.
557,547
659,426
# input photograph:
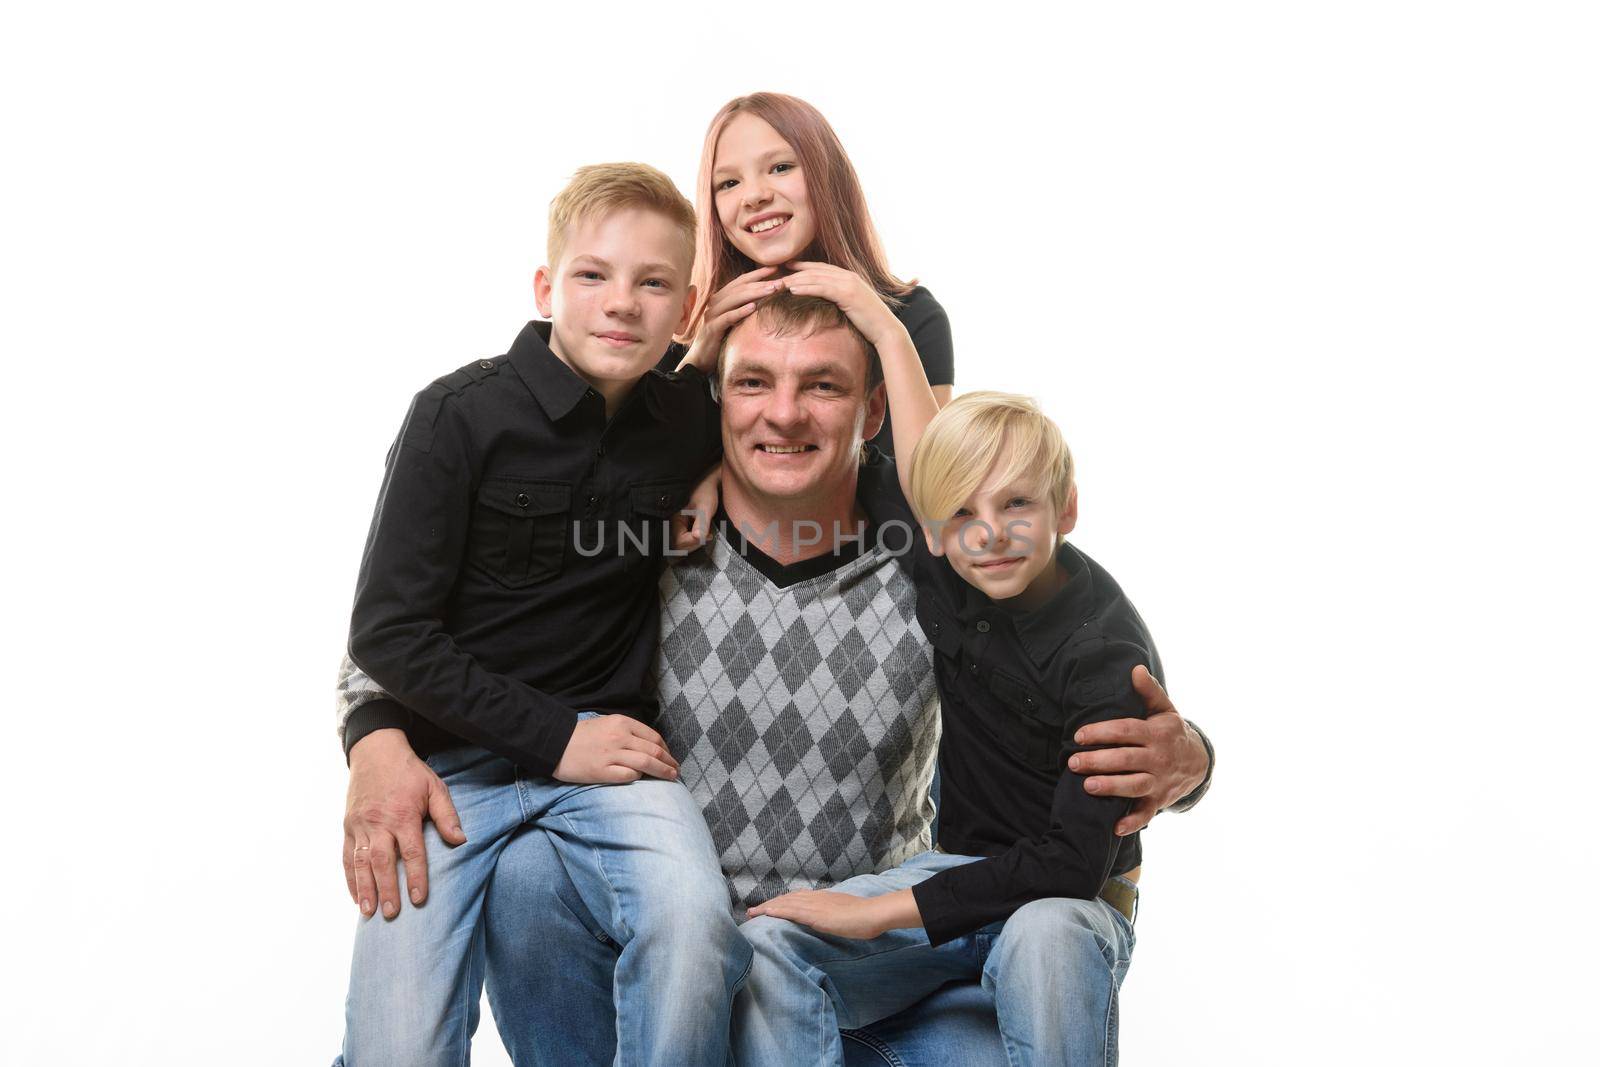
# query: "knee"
693,926
1054,934
779,948
767,936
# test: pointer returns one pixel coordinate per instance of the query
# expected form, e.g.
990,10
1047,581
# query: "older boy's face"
618,294
1002,540
795,411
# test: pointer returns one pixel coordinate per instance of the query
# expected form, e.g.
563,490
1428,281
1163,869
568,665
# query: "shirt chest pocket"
647,531
1031,726
519,530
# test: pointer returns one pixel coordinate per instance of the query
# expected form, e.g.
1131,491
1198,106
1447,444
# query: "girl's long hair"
845,234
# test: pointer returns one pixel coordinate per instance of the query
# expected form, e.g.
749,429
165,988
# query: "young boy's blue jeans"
1054,969
642,860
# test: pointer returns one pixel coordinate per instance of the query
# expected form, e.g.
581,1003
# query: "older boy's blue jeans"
1053,968
549,978
638,857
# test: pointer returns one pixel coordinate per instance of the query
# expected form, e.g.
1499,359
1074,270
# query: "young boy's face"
618,294
1002,541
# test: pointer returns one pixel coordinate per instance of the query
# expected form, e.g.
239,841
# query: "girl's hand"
732,304
692,524
830,913
858,300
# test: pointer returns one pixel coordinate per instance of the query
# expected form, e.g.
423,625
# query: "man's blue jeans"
549,972
1053,969
639,859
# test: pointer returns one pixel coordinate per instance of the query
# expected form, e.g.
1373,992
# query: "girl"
776,192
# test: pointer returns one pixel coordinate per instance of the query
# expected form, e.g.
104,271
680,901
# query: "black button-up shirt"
509,578
1014,687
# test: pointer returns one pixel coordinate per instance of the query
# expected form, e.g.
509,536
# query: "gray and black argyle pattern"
805,719
352,690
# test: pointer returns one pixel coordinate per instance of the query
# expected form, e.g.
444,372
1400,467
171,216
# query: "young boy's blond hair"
973,433
603,188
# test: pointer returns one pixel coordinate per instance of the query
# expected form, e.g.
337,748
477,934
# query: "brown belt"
1120,895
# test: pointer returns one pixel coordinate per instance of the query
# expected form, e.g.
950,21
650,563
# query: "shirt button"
983,626
663,500
935,629
485,364
600,451
522,500
974,667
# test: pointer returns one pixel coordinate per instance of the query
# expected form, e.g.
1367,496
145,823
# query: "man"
796,689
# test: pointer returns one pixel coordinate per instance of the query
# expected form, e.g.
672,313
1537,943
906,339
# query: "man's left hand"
1158,760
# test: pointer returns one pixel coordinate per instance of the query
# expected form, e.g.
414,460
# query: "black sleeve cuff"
941,916
1185,803
374,715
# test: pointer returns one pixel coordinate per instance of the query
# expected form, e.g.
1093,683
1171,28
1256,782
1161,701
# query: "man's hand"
1159,760
391,791
841,914
612,749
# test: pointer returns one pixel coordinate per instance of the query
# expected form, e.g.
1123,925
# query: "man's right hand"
391,792
612,749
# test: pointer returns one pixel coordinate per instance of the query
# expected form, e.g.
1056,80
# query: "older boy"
506,604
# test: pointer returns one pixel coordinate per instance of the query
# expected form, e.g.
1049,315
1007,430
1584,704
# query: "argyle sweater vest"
805,719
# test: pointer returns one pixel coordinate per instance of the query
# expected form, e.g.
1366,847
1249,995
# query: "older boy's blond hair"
603,188
973,433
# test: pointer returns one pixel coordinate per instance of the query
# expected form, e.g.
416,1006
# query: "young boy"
1029,887
506,605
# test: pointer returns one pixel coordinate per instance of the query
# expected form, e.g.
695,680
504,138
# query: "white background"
1312,289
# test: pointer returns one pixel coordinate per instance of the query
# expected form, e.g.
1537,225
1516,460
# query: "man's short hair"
603,188
785,314
973,433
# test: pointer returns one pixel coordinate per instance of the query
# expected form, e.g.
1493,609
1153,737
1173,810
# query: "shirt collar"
556,386
1045,629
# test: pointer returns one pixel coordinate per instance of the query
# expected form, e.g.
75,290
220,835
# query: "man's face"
617,295
795,410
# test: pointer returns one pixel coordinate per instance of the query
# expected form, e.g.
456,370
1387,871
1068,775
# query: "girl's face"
760,192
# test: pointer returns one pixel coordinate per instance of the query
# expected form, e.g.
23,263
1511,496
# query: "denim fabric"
639,859
550,964
953,1027
548,979
1053,970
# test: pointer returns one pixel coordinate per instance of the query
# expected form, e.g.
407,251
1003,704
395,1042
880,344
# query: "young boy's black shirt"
509,578
1014,687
